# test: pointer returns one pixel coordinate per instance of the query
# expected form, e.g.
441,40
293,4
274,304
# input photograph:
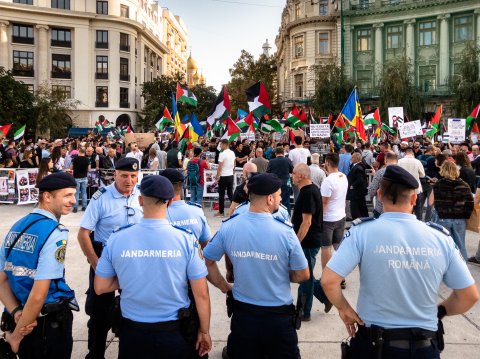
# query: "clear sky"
218,30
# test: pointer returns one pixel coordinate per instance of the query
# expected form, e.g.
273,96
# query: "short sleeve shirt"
335,187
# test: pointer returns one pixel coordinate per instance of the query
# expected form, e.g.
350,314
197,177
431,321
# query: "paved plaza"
319,338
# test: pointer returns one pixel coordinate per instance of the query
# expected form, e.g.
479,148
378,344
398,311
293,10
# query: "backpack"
193,173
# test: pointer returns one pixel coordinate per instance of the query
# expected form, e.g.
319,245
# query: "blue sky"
219,29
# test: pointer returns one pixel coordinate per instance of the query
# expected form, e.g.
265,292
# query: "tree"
245,72
466,84
332,88
206,96
397,88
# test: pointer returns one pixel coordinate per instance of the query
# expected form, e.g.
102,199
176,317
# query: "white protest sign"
456,129
319,130
249,135
277,136
395,117
411,129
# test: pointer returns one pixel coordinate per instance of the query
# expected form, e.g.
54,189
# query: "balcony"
59,43
124,105
124,77
101,104
23,72
61,74
101,75
101,45
362,5
393,2
23,40
125,48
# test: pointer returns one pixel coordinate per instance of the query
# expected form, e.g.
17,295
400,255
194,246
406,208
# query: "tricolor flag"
184,95
129,129
293,117
372,118
435,122
352,112
98,126
258,101
196,128
387,128
232,131
179,127
275,125
376,136
4,129
165,121
339,124
473,117
106,124
19,133
221,108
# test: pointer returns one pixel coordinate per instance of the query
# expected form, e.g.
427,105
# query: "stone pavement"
319,338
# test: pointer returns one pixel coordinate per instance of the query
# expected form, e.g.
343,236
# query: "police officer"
186,214
32,280
281,213
266,257
402,262
111,207
150,304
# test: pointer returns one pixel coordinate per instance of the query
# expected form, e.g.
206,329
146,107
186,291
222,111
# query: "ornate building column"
444,59
147,65
4,44
42,55
378,45
410,40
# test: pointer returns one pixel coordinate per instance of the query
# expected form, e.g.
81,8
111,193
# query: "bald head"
249,168
356,157
315,158
302,170
259,152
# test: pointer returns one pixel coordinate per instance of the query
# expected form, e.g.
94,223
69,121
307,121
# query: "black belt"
282,309
170,326
401,338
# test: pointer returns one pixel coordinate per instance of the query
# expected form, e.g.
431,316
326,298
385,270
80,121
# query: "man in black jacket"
357,187
282,167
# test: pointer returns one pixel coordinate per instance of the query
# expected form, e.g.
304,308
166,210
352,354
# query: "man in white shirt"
226,164
334,192
135,152
416,169
317,175
298,155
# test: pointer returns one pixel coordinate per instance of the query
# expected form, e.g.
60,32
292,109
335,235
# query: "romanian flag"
352,112
435,122
4,129
184,95
258,101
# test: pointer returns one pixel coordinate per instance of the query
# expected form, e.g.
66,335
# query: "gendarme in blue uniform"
189,215
282,212
263,250
109,210
38,255
400,274
153,262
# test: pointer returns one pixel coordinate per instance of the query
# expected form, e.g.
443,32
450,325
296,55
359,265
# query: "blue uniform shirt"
182,214
153,262
111,211
263,250
282,212
402,262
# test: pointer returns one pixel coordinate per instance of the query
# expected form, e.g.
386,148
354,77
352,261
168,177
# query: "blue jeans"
196,193
312,287
457,228
81,187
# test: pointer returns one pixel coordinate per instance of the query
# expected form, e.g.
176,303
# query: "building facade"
175,36
97,52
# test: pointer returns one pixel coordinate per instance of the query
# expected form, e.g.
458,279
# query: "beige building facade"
175,37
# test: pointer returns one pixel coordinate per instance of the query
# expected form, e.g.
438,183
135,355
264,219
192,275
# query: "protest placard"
319,130
411,129
395,117
456,129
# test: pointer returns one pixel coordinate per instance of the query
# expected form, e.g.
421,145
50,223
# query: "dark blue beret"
173,175
263,184
58,180
157,187
397,174
128,164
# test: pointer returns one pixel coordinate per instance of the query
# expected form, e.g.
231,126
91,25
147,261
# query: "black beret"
156,186
397,174
128,164
173,175
58,180
263,184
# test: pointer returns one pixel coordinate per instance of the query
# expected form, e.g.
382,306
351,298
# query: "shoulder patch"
359,221
183,229
241,204
283,221
124,227
100,191
229,218
62,228
438,228
194,204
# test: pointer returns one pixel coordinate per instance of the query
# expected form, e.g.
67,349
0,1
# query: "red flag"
5,129
330,118
437,116
291,136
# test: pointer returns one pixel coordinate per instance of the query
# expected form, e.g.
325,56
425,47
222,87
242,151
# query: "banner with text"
456,129
411,129
319,130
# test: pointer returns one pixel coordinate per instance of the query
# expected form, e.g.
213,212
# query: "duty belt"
401,338
170,326
282,309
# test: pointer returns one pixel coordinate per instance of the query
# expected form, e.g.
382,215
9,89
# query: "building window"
27,2
427,77
463,28
31,89
102,68
62,91
102,7
22,34
298,46
124,69
394,37
102,39
297,10
61,38
124,97
61,67
323,7
364,40
102,96
364,79
299,85
23,63
323,46
124,42
427,33
61,4
124,11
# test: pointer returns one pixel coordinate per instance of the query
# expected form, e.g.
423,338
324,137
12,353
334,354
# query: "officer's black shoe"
328,306
343,284
305,319
224,353
75,210
84,209
473,260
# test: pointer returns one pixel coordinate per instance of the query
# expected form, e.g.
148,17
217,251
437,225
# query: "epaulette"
183,229
438,228
283,221
194,204
241,204
100,191
359,221
124,227
229,218
62,228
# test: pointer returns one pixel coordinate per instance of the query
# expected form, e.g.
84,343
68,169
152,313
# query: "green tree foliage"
397,89
246,72
332,88
206,96
466,83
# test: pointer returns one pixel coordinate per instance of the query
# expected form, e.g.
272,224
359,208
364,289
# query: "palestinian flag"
293,118
473,116
98,126
435,122
372,118
209,133
330,118
129,130
265,127
291,137
217,126
312,120
387,128
19,133
339,124
184,95
5,129
376,135
258,101
302,116
165,121
232,131
221,108
106,124
275,125
251,122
